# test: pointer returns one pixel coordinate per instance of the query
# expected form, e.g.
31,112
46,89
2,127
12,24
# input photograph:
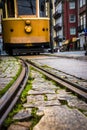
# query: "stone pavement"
60,109
61,118
9,67
57,115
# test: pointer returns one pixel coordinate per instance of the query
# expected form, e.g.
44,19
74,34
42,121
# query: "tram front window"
26,7
10,8
42,8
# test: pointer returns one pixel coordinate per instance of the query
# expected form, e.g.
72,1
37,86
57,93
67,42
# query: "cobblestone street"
9,67
60,110
43,64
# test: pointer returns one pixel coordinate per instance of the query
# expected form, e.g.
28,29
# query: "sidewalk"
72,54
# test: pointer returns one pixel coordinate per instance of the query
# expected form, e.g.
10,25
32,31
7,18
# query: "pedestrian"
68,47
71,46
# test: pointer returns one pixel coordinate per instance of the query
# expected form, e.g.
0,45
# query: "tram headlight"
28,29
27,22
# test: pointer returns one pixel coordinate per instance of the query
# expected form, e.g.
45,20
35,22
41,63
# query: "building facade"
82,24
66,23
71,23
1,45
58,26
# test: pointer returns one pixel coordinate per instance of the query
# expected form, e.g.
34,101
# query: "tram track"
76,88
10,98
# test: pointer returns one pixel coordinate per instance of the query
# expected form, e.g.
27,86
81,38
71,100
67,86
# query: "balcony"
82,9
57,26
57,1
57,14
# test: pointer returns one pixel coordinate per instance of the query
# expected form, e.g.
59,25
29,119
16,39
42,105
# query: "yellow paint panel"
31,39
14,31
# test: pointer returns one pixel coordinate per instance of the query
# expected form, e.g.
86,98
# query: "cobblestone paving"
61,110
9,67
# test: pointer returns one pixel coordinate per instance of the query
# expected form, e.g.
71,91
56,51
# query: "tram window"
10,8
26,7
4,11
43,6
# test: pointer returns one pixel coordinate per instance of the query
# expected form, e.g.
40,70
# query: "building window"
72,31
72,18
84,17
82,2
72,5
83,21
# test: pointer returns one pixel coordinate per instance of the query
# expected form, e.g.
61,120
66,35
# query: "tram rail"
10,98
76,88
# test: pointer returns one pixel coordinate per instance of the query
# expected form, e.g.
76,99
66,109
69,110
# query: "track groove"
10,98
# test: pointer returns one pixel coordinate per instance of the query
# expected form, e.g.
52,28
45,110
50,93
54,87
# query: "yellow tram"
25,25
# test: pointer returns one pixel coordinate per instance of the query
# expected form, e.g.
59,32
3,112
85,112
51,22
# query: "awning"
65,42
74,39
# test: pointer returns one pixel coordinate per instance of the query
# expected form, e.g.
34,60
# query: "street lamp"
51,26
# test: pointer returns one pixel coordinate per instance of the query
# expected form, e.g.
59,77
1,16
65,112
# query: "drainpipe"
86,29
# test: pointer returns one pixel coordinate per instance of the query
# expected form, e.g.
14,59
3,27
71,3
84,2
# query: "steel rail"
81,91
10,98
